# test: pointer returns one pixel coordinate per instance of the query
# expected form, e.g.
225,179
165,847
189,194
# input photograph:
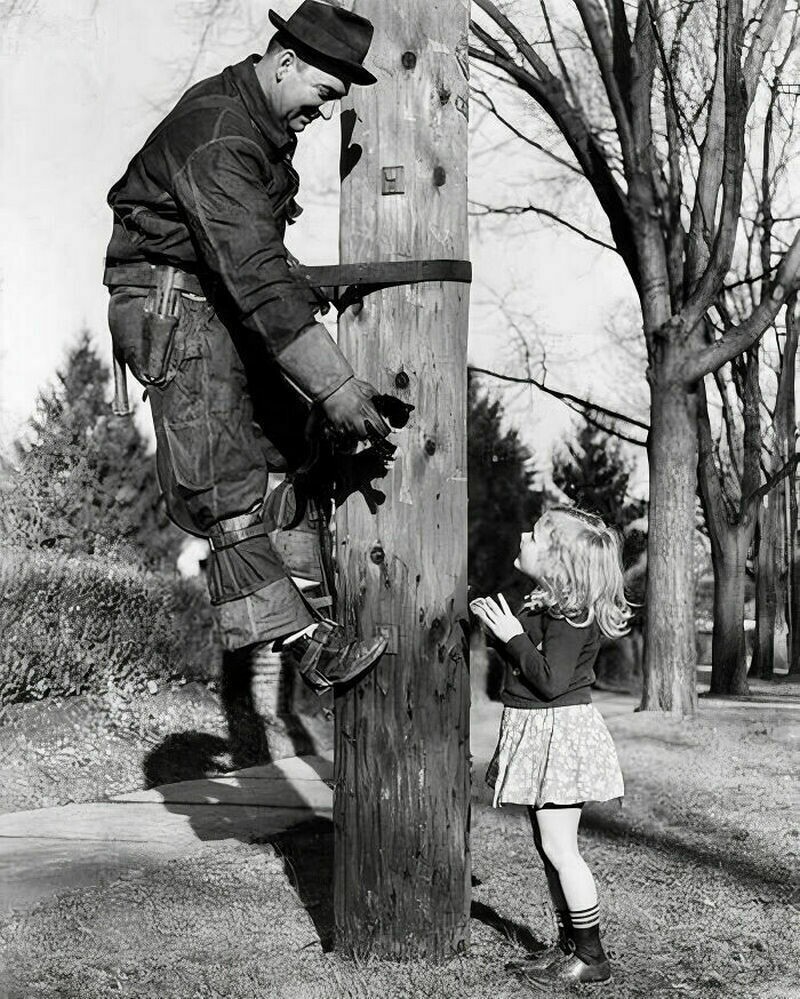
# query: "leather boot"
543,958
326,659
571,971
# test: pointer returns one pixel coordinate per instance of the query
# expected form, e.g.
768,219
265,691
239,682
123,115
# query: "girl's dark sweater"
560,674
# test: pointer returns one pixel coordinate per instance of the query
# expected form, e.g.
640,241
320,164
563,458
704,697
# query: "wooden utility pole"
401,812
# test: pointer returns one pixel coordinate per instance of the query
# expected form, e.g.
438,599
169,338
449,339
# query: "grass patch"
697,873
90,747
93,746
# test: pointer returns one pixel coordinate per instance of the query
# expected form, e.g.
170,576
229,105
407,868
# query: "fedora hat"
330,38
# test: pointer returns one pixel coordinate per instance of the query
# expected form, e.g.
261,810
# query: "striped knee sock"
586,934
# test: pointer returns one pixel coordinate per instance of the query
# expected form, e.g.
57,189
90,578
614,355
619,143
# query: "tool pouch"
159,324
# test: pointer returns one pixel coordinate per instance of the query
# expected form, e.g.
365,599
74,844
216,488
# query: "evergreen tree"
594,472
84,480
502,502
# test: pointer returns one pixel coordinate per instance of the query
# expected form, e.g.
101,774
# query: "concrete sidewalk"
51,850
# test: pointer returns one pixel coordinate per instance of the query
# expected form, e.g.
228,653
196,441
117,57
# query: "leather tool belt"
146,275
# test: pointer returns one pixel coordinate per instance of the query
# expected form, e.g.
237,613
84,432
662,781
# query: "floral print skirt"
558,755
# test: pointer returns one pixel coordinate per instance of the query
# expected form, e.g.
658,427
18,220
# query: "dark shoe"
326,659
540,960
572,971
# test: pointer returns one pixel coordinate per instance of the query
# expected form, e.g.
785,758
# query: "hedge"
72,624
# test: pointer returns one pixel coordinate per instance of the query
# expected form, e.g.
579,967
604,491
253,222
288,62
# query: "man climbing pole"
206,313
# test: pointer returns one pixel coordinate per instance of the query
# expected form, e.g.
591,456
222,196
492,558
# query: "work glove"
354,473
352,412
335,475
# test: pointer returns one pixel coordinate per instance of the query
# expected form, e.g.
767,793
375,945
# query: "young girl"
555,752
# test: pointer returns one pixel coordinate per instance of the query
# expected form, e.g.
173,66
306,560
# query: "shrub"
74,624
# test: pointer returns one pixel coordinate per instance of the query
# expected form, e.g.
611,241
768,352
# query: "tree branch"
644,67
765,207
546,213
643,174
784,417
564,396
735,116
707,472
600,39
675,235
786,469
610,430
749,280
737,340
562,66
761,43
621,41
709,175
730,421
492,108
512,32
548,91
751,442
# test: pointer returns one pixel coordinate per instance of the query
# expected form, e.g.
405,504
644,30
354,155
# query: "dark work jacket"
210,192
560,674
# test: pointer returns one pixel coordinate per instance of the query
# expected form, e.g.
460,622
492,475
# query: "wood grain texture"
402,871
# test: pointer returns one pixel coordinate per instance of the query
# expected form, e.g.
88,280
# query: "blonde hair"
581,578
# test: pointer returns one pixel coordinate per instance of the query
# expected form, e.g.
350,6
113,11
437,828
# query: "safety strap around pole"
345,284
342,284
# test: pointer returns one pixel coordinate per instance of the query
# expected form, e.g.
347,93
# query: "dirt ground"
698,874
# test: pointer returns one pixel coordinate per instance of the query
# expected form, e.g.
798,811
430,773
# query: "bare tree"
747,469
791,492
651,102
777,641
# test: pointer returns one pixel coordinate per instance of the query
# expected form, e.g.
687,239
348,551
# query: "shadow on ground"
513,931
765,875
184,756
248,734
192,772
307,854
191,755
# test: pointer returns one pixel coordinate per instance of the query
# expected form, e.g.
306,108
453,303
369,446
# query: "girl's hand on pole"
496,616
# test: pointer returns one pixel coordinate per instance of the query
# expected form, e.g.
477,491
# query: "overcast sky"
83,83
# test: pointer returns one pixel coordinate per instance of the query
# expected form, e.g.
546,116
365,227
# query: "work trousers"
223,417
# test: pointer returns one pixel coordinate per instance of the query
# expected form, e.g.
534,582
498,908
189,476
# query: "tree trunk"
789,486
670,656
771,626
779,517
401,810
728,658
793,555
